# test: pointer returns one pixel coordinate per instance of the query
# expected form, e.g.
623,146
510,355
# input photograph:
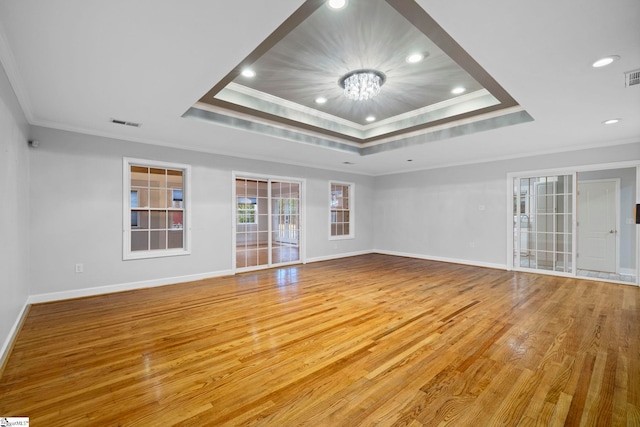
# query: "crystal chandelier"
361,85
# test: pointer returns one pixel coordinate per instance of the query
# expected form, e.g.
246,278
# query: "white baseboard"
443,259
337,256
6,345
99,290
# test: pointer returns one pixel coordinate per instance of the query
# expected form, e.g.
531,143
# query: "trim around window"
156,214
341,210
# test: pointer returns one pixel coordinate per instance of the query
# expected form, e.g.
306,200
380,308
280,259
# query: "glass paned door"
252,226
543,223
285,220
267,222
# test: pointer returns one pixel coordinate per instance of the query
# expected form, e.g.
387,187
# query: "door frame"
564,171
617,216
302,233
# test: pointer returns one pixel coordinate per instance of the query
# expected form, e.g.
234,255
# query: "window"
247,210
341,210
155,209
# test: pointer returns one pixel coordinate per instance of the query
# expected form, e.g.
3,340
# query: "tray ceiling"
306,57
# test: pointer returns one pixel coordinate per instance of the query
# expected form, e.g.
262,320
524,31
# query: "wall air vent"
125,123
632,78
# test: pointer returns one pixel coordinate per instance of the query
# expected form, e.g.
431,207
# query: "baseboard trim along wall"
8,342
100,290
337,256
443,259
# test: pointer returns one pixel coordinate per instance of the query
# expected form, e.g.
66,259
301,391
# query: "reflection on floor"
607,276
252,256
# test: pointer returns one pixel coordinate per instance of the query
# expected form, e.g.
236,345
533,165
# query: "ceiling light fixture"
611,121
361,85
370,119
321,100
458,90
248,73
414,57
602,62
337,4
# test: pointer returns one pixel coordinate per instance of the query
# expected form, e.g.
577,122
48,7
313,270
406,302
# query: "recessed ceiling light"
458,90
321,100
602,62
337,4
414,57
348,163
611,121
248,73
370,119
409,160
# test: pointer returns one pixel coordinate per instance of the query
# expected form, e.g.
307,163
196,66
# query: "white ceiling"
76,64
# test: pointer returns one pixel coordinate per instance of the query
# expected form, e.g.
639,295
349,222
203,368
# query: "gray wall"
76,204
459,213
627,232
14,211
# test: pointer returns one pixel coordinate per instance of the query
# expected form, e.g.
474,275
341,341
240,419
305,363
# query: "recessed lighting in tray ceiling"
603,62
247,72
370,119
321,100
337,4
458,90
415,57
611,121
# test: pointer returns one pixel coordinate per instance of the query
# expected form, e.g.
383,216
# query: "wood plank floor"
367,340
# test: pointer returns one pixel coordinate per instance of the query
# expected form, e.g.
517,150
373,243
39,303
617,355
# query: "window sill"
348,237
160,253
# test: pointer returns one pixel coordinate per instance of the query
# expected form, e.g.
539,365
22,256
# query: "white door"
597,232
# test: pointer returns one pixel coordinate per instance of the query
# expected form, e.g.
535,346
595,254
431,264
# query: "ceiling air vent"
125,123
632,78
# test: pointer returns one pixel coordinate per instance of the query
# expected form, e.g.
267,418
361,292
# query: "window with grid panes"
341,210
155,210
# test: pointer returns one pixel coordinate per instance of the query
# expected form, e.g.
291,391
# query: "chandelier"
361,85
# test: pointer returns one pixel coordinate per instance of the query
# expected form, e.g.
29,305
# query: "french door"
267,222
543,223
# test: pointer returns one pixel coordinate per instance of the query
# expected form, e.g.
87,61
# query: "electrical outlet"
79,268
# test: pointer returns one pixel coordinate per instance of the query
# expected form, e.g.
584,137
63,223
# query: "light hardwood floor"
367,340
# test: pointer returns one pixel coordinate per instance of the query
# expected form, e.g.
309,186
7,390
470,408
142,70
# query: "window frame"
350,210
127,253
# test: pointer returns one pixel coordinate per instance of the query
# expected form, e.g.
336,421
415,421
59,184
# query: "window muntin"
341,210
155,210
